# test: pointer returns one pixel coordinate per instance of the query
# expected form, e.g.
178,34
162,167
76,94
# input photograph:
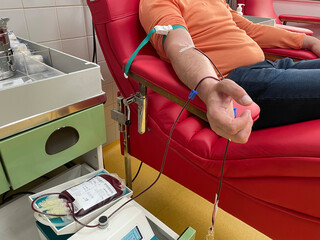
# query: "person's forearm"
189,65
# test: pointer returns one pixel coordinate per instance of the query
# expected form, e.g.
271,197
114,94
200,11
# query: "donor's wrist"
206,88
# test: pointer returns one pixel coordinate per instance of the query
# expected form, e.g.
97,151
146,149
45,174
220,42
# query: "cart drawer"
31,154
4,186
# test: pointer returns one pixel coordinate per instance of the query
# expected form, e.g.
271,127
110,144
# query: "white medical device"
128,223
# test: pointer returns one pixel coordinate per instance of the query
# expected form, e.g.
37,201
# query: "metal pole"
127,159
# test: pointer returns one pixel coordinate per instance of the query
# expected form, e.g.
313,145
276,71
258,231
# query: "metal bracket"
122,116
118,116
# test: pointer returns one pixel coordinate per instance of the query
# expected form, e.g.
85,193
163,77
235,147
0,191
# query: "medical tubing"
137,172
221,177
5,199
94,53
162,165
204,79
225,153
69,204
213,64
227,145
167,146
174,124
166,149
222,169
47,214
193,93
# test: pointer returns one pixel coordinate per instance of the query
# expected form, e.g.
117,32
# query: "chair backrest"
259,8
119,33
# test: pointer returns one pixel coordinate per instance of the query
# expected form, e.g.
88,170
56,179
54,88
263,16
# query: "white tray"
73,226
80,80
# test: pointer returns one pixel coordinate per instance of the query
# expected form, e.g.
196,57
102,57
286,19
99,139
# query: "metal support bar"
142,108
122,116
127,159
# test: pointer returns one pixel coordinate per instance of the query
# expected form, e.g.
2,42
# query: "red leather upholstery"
161,74
265,9
299,18
271,183
295,29
259,9
299,54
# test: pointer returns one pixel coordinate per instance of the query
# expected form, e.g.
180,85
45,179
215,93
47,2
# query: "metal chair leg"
127,159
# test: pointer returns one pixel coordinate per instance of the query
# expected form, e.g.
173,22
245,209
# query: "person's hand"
316,47
313,44
220,112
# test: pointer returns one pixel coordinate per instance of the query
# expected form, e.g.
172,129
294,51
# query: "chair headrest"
110,10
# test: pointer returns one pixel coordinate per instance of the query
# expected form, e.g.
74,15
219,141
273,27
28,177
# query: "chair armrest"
159,76
299,18
295,29
270,54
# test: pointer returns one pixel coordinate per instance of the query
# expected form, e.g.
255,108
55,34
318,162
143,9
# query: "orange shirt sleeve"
268,36
159,12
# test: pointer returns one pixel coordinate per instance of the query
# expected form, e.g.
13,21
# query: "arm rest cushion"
292,53
295,29
162,75
299,18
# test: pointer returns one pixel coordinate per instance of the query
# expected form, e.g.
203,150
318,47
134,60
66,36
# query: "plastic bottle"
239,8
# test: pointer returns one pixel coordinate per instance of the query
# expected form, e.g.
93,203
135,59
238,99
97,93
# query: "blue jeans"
286,91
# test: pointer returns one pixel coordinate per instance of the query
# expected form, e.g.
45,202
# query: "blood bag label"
91,192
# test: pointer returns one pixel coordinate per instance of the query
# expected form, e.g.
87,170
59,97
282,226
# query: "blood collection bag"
93,193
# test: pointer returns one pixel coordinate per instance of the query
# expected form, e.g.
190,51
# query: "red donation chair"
272,182
265,9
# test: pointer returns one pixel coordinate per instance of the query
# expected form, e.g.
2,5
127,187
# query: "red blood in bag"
115,183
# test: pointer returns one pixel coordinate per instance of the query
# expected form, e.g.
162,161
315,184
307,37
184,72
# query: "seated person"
286,92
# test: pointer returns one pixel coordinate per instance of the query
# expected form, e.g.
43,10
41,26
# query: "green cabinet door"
4,186
33,153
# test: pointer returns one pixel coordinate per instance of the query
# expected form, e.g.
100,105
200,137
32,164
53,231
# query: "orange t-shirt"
230,40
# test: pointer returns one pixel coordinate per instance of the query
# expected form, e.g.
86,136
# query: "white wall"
302,7
64,25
